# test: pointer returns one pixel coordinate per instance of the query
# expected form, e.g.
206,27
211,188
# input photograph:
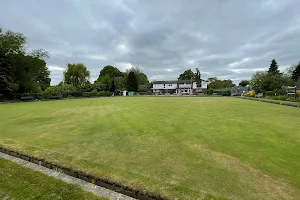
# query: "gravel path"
96,190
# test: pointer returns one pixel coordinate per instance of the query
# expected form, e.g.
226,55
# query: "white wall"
173,86
204,84
188,85
165,86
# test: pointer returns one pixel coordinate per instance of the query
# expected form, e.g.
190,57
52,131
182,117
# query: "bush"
105,94
76,94
226,93
210,91
281,98
279,92
269,93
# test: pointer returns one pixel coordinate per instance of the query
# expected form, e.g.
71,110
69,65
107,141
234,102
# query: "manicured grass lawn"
178,147
17,182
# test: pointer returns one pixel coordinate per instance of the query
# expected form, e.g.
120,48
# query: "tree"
198,77
31,73
187,75
296,72
273,69
106,80
12,42
7,76
141,78
120,83
20,71
244,83
263,81
76,75
110,71
215,83
132,84
113,87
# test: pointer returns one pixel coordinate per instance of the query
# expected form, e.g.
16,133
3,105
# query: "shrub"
94,93
281,98
269,93
76,94
104,94
279,92
210,91
226,93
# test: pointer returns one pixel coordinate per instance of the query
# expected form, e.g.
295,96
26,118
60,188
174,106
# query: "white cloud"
97,57
55,68
239,62
123,48
124,66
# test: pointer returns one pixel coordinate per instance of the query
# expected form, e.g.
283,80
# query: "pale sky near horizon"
223,38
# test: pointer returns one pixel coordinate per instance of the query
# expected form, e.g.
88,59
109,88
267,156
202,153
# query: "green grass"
17,182
178,147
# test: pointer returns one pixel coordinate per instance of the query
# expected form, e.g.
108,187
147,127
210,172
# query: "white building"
178,87
175,87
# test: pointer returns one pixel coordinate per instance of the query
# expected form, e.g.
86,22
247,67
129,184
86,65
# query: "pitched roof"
172,81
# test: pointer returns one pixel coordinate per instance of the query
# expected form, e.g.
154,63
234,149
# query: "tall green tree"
132,84
263,81
106,80
31,73
12,42
296,72
110,71
198,77
113,86
21,71
7,75
273,69
120,83
215,83
244,83
187,75
141,77
76,75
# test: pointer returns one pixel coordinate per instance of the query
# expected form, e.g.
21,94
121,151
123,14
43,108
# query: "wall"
165,86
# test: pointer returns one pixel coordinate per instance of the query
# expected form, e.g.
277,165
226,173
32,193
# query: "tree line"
21,70
273,80
25,73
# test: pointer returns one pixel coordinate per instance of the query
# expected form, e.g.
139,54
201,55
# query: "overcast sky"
223,38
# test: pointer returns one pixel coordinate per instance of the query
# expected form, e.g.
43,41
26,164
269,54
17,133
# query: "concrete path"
96,190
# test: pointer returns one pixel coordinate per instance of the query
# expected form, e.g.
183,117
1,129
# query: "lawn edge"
271,101
105,183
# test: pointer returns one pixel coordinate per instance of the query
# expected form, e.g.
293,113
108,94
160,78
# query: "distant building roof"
172,81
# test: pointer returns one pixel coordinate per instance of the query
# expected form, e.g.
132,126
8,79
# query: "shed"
130,93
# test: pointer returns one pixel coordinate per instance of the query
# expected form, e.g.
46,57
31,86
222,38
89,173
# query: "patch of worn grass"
179,147
17,182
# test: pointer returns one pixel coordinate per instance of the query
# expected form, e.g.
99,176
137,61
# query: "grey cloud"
224,38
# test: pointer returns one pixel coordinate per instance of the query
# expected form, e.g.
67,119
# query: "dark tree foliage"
273,69
21,71
296,72
110,71
244,83
187,75
132,84
76,75
113,87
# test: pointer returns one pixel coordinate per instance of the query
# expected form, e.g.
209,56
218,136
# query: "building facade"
175,87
